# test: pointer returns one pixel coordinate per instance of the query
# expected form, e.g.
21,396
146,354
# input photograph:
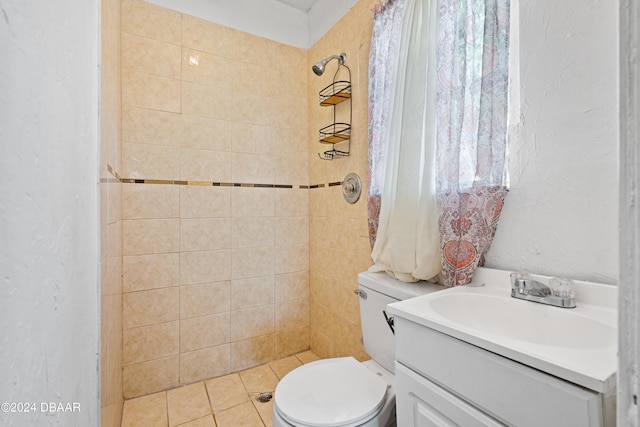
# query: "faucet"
526,288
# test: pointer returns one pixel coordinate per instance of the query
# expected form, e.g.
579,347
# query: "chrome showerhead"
318,67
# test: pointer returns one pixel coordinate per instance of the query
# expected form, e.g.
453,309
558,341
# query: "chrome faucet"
526,288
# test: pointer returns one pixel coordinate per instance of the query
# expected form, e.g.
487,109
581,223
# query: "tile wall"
215,205
339,243
110,218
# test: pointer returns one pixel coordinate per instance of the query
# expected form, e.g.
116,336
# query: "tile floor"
228,401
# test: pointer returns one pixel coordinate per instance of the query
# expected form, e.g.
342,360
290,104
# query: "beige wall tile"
292,230
252,322
142,272
204,364
256,139
150,307
206,101
199,234
205,133
254,109
292,313
205,266
150,377
295,142
252,292
145,55
292,341
150,91
205,202
255,79
150,342
252,232
292,286
206,36
207,69
253,50
292,169
253,168
293,202
148,20
252,202
147,236
226,392
203,299
187,403
252,352
144,201
252,262
146,126
290,258
145,161
205,165
204,331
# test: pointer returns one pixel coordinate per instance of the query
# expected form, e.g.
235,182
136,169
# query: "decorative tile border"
215,183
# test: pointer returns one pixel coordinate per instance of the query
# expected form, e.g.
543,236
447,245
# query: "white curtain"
407,244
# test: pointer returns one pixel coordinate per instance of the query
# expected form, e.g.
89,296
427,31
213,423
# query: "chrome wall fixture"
318,67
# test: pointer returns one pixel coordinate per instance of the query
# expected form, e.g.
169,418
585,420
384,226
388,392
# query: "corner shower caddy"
337,132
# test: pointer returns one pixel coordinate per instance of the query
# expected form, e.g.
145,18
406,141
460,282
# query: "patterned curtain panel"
385,41
472,67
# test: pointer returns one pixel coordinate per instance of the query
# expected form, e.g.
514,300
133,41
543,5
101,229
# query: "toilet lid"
335,392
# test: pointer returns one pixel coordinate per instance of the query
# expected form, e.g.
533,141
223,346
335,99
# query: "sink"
523,320
576,344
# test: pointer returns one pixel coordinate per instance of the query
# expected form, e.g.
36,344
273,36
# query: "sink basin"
523,320
577,344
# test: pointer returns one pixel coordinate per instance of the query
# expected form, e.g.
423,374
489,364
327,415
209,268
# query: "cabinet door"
421,403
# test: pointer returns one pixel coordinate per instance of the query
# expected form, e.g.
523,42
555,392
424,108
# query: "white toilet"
343,392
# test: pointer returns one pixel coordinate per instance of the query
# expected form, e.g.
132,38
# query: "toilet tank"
376,290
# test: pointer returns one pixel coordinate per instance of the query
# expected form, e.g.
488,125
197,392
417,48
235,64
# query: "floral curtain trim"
468,223
472,67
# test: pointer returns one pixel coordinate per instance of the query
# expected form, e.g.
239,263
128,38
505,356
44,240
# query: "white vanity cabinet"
473,356
443,381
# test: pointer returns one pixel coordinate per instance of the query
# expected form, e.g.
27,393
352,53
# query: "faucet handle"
563,288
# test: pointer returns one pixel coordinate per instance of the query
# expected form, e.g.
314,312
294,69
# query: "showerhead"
318,67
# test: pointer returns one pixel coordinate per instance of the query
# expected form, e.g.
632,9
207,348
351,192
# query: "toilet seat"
344,393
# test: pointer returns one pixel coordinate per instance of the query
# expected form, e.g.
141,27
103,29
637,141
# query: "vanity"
474,356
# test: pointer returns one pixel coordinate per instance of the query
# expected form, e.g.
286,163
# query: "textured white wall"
561,214
267,18
49,210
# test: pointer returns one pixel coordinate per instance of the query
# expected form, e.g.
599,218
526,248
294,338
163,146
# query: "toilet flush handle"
390,322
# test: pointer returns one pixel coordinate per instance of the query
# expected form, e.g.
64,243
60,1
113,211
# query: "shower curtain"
402,153
473,56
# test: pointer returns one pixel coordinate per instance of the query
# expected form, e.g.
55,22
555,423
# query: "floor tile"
307,356
244,415
283,366
228,401
187,404
225,392
207,421
259,379
148,411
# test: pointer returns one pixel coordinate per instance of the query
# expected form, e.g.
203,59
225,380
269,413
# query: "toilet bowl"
342,392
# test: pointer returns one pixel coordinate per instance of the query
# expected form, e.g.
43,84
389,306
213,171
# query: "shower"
318,67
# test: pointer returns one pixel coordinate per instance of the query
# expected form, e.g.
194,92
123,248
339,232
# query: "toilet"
342,392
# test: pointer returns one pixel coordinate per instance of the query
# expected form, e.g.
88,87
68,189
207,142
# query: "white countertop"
578,344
